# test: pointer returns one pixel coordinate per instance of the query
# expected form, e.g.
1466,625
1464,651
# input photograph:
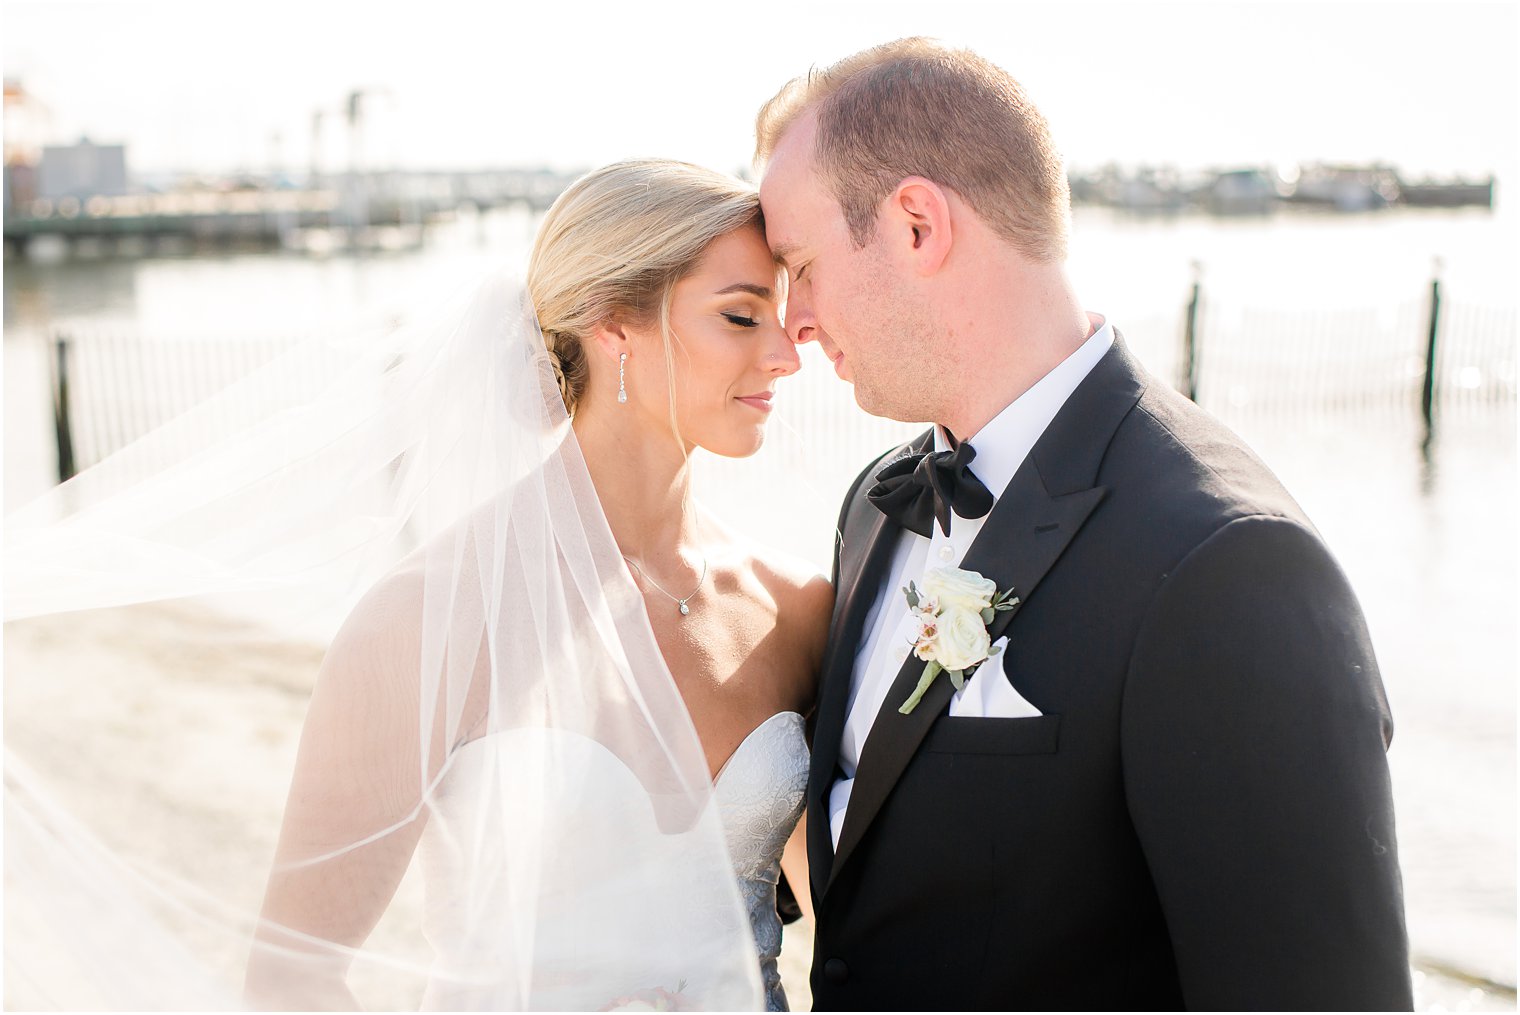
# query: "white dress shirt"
1001,447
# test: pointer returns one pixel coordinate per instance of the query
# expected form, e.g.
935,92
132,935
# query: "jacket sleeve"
1253,738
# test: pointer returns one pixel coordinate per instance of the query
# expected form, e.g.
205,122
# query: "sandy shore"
165,726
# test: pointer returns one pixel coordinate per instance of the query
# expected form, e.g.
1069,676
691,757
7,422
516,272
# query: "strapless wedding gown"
605,925
760,794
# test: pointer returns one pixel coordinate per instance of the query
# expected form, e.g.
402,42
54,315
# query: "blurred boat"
1345,188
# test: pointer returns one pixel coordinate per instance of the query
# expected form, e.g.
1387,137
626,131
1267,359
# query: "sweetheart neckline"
747,738
487,738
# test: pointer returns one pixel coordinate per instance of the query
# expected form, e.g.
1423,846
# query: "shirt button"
946,553
836,971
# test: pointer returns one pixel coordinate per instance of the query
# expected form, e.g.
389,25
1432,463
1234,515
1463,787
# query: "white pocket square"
990,695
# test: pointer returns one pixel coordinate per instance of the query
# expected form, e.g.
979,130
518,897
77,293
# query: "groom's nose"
800,323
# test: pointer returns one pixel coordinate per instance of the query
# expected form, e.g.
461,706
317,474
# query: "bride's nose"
780,356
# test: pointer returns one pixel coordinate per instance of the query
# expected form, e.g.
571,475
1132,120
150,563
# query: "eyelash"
741,320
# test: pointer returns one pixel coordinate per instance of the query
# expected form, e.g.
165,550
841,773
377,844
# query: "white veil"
499,799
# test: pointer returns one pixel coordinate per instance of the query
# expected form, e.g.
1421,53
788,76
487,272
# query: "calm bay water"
1430,543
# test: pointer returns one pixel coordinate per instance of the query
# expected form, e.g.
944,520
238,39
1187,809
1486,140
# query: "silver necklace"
679,601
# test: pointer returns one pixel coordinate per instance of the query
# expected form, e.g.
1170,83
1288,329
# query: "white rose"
962,639
955,589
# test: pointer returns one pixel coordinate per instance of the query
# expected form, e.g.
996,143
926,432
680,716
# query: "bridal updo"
613,246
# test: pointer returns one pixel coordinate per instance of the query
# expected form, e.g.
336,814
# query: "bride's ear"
612,339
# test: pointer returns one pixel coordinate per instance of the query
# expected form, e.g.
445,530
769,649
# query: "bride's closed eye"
741,320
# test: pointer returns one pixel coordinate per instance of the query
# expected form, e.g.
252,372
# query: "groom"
1169,789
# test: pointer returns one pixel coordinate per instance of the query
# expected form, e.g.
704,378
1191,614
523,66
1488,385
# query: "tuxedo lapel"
1024,536
1034,520
863,562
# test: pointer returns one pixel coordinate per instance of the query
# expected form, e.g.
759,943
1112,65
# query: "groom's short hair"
916,108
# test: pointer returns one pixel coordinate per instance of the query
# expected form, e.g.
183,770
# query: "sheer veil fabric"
493,719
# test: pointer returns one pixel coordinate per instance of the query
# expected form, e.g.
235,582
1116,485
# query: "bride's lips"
760,400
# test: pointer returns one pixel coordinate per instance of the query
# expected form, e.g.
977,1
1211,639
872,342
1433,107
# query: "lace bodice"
760,795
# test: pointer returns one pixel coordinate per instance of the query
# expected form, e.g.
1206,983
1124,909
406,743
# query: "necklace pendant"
684,608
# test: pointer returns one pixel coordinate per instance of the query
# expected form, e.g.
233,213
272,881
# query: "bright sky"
1432,86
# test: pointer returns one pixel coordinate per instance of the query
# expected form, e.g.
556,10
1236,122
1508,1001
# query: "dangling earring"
622,387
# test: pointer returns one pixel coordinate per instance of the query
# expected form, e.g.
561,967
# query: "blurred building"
25,125
20,185
82,171
1242,192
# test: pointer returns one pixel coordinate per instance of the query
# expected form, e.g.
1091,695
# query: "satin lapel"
1046,524
863,561
1024,536
1034,520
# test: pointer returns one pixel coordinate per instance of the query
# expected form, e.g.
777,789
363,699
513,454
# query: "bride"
578,702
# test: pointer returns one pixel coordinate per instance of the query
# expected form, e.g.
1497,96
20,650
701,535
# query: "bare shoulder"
802,599
390,610
797,587
379,642
387,620
804,604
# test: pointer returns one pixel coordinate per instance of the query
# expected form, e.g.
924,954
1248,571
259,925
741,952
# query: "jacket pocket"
1037,734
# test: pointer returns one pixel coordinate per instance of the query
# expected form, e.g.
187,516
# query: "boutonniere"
953,610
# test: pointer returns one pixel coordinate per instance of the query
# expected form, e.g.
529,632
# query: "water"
1429,541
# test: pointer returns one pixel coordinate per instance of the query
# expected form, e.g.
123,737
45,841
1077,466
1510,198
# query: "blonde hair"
916,108
612,248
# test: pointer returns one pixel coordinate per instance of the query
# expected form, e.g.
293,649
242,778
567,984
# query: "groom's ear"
918,220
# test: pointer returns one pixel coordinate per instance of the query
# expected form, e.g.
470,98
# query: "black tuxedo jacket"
1200,818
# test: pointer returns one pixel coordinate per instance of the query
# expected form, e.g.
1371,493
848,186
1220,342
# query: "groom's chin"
884,408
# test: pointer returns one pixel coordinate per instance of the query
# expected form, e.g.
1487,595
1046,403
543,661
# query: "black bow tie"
916,489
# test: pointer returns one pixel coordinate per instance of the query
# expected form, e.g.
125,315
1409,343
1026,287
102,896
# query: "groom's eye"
741,320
